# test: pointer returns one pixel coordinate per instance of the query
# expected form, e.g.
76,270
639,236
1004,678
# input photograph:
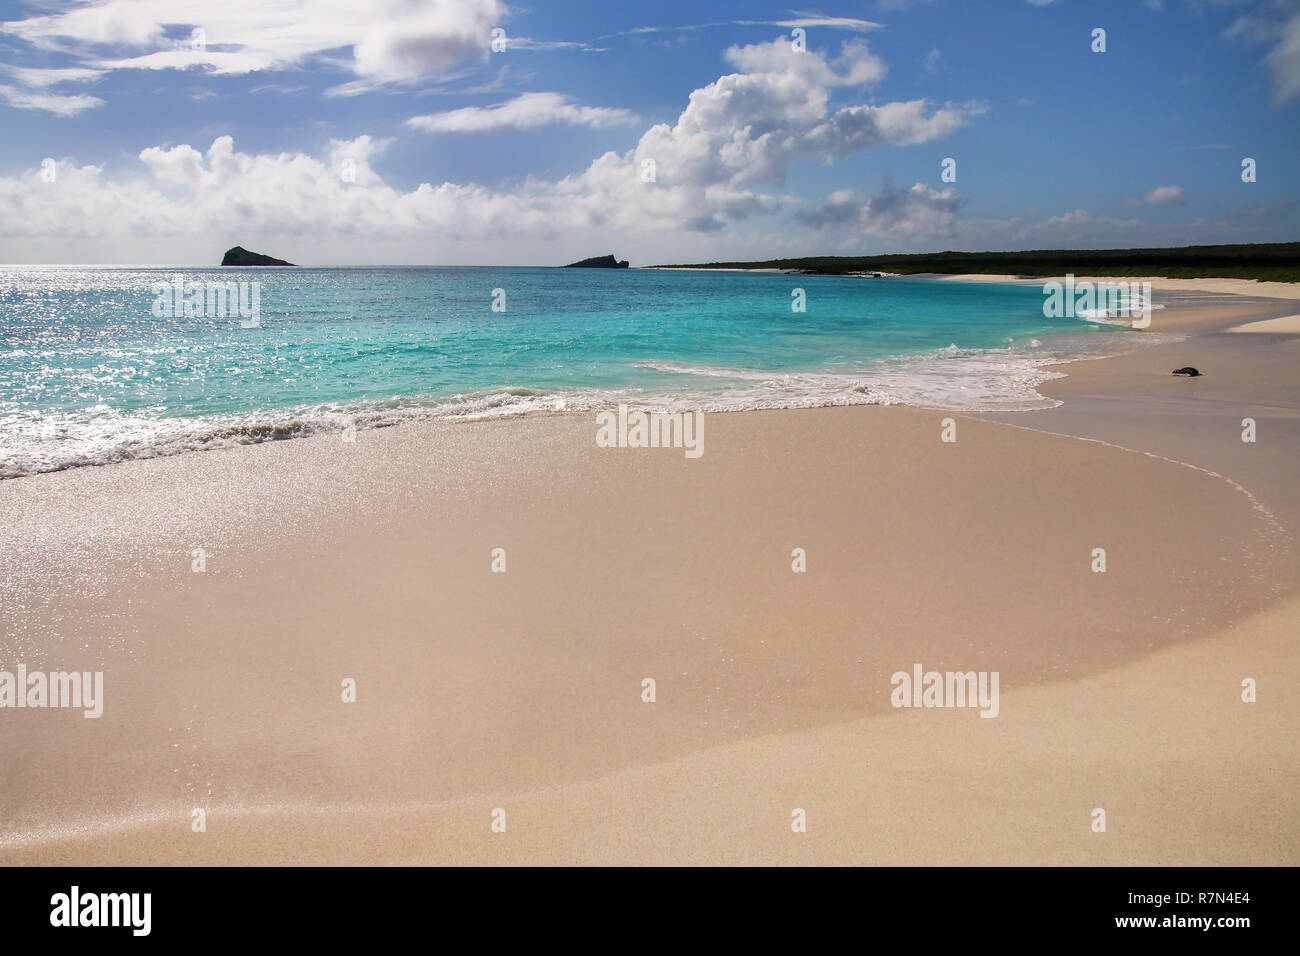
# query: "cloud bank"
724,160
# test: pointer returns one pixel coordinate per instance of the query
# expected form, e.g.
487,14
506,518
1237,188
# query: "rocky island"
239,256
599,262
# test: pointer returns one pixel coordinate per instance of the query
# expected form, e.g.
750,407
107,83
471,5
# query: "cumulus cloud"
750,126
527,111
1078,215
911,213
747,129
900,214
842,208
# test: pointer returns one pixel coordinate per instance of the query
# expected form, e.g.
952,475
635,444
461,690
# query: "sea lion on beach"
1185,370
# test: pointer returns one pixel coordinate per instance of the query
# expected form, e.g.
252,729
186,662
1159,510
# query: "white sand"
1287,325
1252,287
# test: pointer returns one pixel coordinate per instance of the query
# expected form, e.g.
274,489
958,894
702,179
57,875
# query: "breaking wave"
950,378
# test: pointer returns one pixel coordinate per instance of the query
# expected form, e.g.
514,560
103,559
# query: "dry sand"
523,690
1251,287
1286,325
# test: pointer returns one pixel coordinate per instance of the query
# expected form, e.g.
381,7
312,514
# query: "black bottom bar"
977,906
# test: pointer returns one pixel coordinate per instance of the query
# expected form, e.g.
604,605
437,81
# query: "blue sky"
339,132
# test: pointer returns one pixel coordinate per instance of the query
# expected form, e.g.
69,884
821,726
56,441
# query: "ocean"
103,364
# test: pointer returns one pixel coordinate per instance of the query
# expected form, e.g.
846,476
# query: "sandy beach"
477,690
1246,287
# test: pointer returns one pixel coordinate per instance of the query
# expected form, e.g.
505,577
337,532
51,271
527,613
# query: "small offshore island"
239,256
599,262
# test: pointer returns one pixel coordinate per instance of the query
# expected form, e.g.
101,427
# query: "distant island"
599,262
1272,261
239,256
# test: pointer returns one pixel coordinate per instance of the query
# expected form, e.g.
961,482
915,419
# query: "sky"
462,132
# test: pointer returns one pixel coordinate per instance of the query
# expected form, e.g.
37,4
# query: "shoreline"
523,690
1009,384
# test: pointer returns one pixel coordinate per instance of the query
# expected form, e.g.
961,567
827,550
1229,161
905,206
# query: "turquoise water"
94,369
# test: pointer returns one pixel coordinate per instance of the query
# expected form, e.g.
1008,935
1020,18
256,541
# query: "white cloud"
34,90
527,111
388,40
528,43
1078,215
820,20
59,104
750,126
738,136
1278,26
805,19
219,63
900,214
1284,61
44,78
1164,196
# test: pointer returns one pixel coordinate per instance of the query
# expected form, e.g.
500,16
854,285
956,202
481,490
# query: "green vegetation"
1274,261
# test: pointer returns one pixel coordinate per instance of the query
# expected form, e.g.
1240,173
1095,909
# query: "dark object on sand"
1185,370
599,262
239,256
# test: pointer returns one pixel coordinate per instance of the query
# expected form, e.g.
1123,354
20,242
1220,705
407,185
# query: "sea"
103,364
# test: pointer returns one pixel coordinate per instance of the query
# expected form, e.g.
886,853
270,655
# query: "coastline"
1250,287
522,690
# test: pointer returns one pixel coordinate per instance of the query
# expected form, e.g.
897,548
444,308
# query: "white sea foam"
949,378
1004,379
